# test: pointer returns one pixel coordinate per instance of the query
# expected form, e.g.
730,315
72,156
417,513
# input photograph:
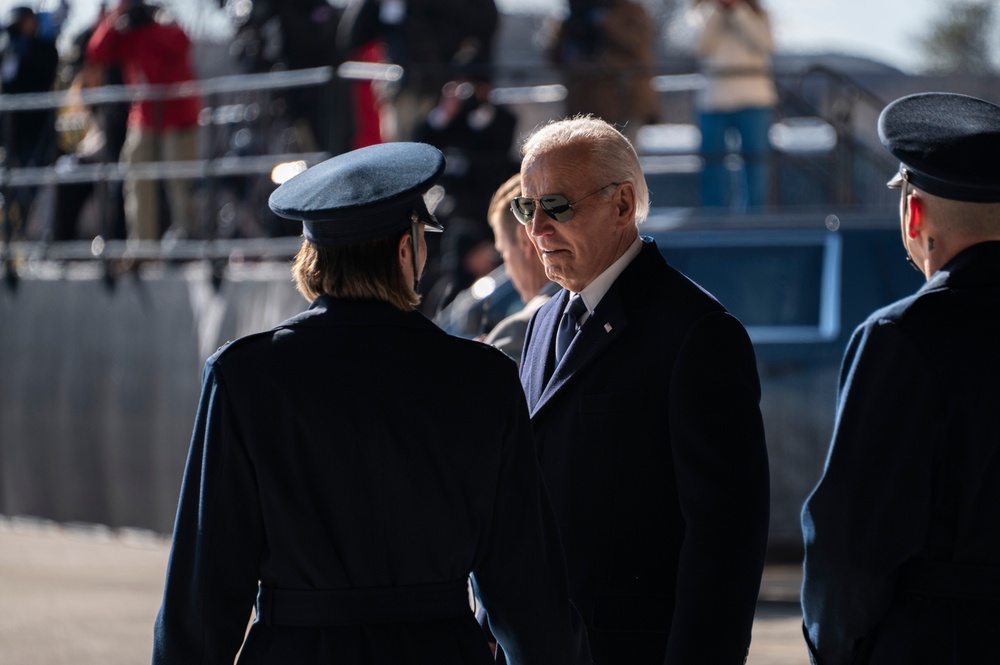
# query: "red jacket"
155,54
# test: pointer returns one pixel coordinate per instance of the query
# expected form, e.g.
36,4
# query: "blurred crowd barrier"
99,384
252,138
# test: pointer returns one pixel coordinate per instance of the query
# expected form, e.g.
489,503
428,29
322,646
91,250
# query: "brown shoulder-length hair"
362,271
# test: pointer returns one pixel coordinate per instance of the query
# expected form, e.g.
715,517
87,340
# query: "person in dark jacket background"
28,64
902,533
350,468
430,40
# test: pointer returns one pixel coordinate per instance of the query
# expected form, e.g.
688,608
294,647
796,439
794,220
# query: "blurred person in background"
346,473
429,39
309,39
467,254
28,64
902,545
734,44
275,36
153,50
606,50
88,134
524,269
477,138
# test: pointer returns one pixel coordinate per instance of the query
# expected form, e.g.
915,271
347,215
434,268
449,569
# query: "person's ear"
625,204
915,220
405,247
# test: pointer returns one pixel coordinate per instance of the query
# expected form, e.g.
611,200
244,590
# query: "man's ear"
625,204
915,220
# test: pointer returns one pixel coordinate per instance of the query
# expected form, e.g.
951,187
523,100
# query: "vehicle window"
784,287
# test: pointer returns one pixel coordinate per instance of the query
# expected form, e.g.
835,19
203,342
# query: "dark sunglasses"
556,206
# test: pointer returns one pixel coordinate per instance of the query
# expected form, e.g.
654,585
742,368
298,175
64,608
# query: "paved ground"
87,596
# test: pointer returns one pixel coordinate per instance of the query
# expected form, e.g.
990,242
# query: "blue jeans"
722,187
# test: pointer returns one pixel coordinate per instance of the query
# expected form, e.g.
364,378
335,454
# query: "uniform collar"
976,264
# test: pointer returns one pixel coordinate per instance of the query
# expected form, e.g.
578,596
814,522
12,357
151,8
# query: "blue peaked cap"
363,194
948,143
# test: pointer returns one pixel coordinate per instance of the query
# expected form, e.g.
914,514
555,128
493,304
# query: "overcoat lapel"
608,321
602,328
542,354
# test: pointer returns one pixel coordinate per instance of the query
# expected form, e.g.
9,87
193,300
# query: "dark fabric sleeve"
721,465
871,509
212,572
521,578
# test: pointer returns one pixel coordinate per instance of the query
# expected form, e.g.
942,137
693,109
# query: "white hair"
611,151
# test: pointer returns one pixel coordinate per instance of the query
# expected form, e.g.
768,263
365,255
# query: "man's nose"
541,224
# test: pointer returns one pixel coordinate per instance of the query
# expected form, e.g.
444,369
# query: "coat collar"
329,311
607,322
973,266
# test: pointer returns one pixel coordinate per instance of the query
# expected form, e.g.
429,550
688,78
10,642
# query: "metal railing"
233,102
221,112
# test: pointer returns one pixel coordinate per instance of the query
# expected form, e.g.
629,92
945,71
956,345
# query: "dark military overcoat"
902,533
349,469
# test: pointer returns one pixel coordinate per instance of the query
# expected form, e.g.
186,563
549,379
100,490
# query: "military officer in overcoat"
351,467
902,533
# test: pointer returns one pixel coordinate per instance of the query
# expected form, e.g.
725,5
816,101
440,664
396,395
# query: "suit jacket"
651,443
901,533
358,447
508,335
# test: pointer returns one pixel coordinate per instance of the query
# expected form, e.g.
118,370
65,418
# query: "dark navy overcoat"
902,533
356,449
651,444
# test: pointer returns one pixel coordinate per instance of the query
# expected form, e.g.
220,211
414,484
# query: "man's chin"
562,280
555,274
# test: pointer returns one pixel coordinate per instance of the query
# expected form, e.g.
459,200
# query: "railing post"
843,108
6,257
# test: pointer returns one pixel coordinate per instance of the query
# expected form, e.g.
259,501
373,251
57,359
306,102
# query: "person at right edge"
902,533
648,429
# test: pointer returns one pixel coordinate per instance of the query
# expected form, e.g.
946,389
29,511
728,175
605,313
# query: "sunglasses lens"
523,208
557,207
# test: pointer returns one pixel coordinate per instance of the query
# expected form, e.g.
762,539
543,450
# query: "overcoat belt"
350,607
